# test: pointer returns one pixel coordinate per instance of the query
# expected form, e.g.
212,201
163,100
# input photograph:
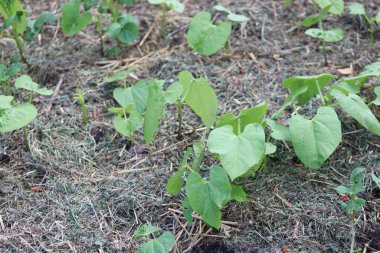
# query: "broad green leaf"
357,188
126,30
246,116
25,82
187,210
137,95
207,197
15,117
355,204
316,139
5,102
34,26
371,70
72,20
375,178
333,35
356,108
13,8
270,148
162,244
145,230
377,92
6,73
198,150
175,5
352,84
200,96
126,126
356,9
238,193
120,76
279,132
173,93
337,6
231,16
205,37
154,110
238,153
304,88
175,182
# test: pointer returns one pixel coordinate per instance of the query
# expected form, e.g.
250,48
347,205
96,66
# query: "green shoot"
162,244
80,99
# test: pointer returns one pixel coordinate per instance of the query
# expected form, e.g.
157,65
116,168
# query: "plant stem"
228,49
84,113
353,232
320,94
8,88
26,142
370,29
20,49
324,52
180,115
100,31
163,21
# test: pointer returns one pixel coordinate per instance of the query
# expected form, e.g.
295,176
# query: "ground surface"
84,189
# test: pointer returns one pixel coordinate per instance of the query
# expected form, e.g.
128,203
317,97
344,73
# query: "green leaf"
343,189
162,244
310,21
356,9
187,210
137,95
13,9
15,117
126,30
207,197
231,16
357,188
377,18
352,84
375,178
145,230
154,110
34,26
337,6
371,70
238,153
72,20
377,92
205,37
304,88
198,150
238,193
121,75
270,148
356,108
333,35
126,126
246,116
315,140
173,93
175,182
200,96
175,5
25,82
355,204
279,132
357,175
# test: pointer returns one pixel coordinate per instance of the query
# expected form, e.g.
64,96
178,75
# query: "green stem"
84,112
370,29
320,94
8,88
100,31
163,21
353,232
26,142
228,49
180,116
324,52
20,49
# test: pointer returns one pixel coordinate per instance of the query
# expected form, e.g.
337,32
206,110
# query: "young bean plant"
162,244
172,5
14,115
207,38
16,25
358,9
80,99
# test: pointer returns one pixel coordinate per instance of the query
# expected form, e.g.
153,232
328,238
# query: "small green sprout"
162,244
80,99
350,199
173,5
358,9
7,73
14,116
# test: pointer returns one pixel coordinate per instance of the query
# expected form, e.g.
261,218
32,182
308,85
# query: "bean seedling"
162,244
80,99
173,5
358,9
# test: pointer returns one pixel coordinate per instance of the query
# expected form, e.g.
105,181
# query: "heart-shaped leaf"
336,6
126,126
205,37
137,95
72,20
200,96
371,70
126,30
356,9
238,153
333,35
145,230
377,92
356,108
316,139
121,75
173,93
207,197
25,82
162,244
15,117
279,132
